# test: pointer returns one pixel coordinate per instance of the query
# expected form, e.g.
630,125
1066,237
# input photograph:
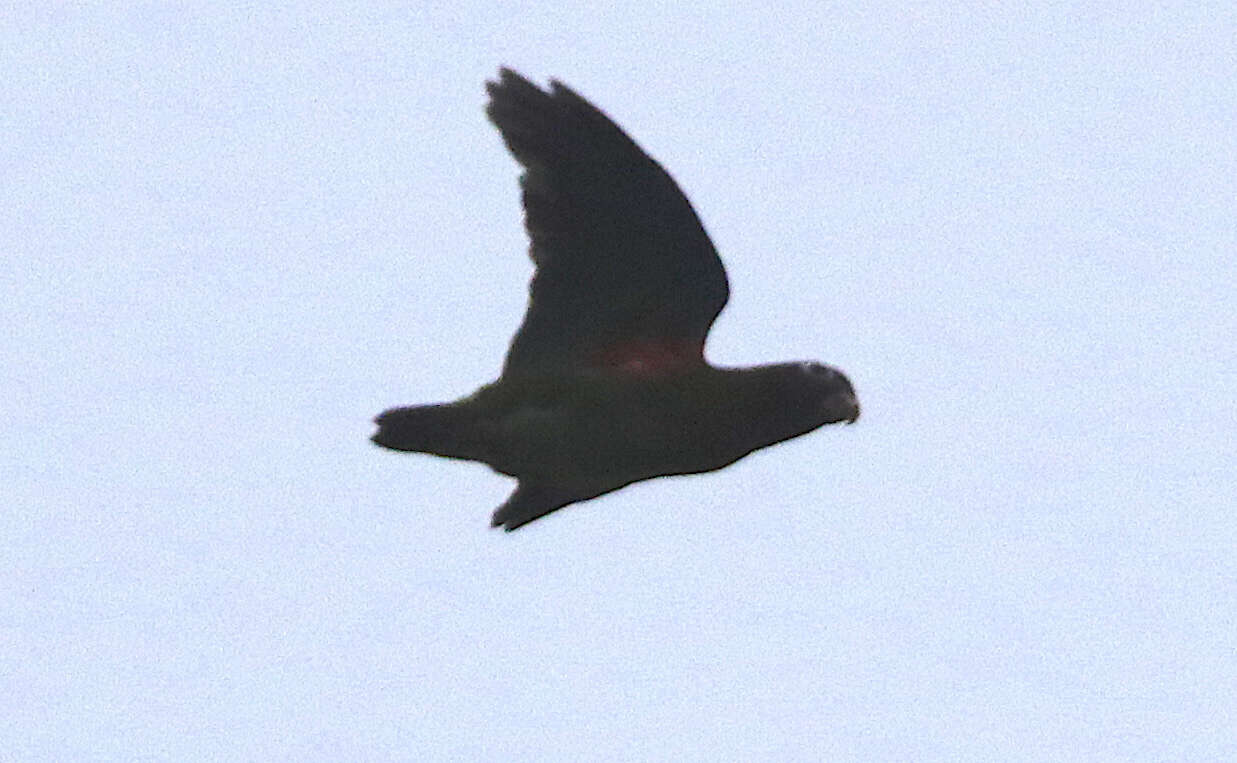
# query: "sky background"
232,233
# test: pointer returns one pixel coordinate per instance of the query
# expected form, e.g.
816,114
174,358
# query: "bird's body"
592,432
606,383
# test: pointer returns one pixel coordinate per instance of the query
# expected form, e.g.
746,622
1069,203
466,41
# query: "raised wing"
626,275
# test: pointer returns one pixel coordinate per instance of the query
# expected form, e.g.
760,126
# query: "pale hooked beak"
854,410
842,406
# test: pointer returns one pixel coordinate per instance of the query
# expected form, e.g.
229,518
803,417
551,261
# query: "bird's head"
784,400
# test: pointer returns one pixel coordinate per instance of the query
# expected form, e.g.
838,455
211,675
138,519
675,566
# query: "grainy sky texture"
233,233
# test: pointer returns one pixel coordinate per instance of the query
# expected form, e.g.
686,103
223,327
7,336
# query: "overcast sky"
234,233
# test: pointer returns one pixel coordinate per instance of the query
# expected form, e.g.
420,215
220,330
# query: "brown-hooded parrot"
605,383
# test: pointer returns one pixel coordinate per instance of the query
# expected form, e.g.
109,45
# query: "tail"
443,430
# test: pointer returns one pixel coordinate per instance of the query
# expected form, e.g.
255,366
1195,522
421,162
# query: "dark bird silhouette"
605,382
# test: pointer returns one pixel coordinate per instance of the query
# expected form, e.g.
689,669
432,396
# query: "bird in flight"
605,382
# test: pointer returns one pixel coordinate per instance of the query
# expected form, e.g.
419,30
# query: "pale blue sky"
232,234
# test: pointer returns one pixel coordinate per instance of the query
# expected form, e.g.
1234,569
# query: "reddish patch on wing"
652,357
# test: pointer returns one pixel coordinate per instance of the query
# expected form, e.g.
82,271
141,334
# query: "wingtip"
506,523
506,78
505,527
